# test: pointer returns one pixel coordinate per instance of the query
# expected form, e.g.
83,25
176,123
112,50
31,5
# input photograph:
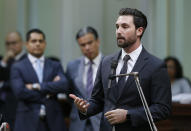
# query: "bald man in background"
14,52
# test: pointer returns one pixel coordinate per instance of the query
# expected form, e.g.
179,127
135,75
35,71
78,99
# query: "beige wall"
47,16
75,15
185,45
1,26
8,20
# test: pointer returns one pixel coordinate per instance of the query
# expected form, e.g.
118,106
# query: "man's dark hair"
178,66
139,19
35,31
86,30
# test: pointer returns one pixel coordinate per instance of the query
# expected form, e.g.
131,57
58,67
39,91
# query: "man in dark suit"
121,105
36,81
14,52
81,73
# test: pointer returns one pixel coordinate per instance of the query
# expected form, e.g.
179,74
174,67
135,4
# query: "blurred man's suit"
154,82
29,103
8,102
75,70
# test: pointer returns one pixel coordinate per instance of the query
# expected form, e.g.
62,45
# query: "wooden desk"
180,120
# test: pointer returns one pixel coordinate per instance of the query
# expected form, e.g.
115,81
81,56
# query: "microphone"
141,94
121,75
114,64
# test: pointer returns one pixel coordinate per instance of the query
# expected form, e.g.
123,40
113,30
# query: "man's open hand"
81,104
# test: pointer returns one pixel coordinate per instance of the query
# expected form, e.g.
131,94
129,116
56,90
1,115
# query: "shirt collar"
96,60
17,57
33,59
134,55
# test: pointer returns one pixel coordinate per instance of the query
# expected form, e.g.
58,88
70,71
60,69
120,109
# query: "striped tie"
89,85
121,80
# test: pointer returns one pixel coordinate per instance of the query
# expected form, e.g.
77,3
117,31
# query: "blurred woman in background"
179,83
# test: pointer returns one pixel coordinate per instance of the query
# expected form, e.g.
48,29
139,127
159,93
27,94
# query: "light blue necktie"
39,70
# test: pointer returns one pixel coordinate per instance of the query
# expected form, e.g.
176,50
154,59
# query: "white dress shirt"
33,60
131,62
95,65
17,57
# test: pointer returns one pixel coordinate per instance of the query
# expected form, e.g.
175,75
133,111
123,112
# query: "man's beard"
126,43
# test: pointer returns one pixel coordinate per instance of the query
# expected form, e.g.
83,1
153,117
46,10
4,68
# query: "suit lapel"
22,57
46,69
79,79
141,62
111,91
31,70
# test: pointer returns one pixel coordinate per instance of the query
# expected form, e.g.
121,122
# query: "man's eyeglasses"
8,43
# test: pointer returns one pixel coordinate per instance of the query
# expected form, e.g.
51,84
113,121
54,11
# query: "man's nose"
119,30
11,47
38,43
87,47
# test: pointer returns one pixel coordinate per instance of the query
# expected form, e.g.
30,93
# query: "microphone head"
111,77
114,64
135,73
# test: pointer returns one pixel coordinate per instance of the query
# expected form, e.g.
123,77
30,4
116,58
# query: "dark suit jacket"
29,101
154,82
7,98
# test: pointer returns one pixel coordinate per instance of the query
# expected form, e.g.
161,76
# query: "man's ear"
140,31
98,42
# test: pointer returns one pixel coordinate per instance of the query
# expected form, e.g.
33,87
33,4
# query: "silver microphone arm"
145,105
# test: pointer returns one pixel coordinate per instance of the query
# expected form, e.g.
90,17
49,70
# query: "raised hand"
57,78
81,104
8,55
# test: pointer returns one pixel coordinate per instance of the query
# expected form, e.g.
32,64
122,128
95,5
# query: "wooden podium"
180,120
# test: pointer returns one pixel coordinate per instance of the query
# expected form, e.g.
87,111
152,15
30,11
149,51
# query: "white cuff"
1,84
3,64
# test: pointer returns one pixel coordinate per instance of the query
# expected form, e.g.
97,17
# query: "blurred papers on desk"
183,98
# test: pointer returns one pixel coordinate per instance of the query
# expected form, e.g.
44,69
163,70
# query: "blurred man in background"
14,52
36,81
81,73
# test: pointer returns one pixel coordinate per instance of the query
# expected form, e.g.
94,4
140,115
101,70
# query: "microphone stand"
145,105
